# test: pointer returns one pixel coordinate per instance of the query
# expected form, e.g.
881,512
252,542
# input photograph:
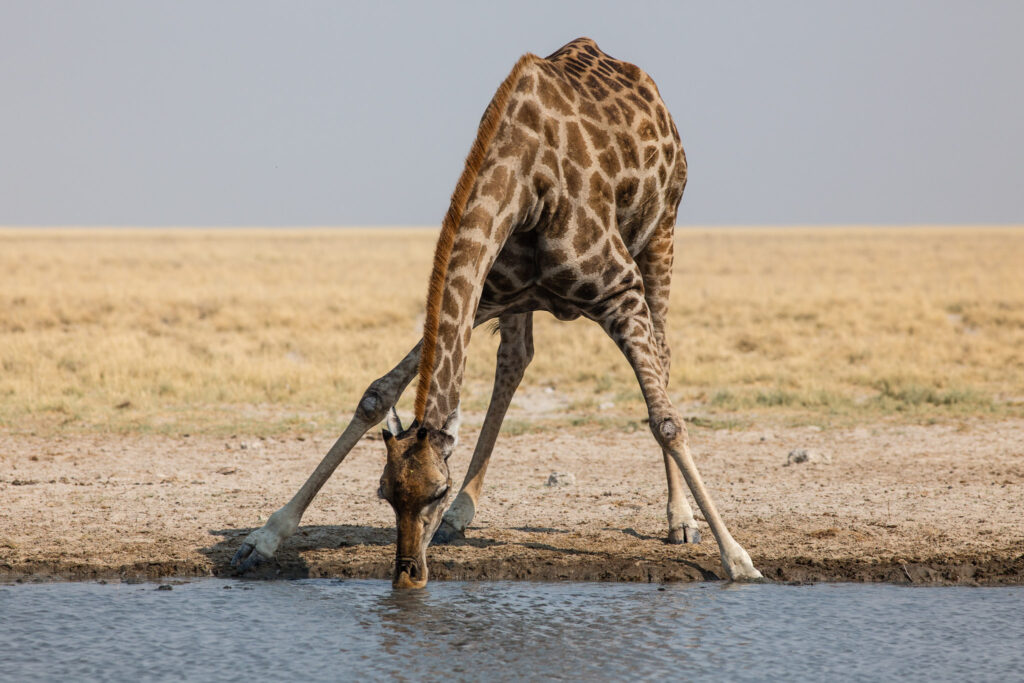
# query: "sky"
361,113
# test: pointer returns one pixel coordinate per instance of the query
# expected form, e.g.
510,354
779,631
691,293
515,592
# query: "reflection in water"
326,630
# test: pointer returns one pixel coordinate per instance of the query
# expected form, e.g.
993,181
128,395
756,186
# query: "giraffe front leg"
382,394
682,527
514,353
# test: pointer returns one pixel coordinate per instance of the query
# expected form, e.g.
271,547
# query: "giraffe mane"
442,252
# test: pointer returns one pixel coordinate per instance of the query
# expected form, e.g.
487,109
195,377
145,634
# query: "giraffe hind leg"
655,266
626,319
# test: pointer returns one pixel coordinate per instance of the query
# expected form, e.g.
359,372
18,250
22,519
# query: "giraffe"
567,204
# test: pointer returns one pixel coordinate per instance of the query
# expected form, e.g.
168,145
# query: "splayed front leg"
260,545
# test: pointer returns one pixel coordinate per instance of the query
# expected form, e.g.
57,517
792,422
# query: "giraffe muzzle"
409,573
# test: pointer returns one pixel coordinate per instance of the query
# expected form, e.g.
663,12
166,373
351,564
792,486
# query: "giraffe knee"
374,404
668,429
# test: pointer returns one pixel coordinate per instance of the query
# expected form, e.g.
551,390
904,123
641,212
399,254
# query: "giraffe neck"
491,215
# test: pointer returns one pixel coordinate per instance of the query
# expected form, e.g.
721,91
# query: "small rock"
801,455
561,479
227,470
164,587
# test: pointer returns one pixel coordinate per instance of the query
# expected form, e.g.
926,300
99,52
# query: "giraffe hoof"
682,535
247,558
446,533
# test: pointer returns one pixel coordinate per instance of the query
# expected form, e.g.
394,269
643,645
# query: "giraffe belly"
531,299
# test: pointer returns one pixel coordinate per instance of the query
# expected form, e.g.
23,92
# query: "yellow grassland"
279,329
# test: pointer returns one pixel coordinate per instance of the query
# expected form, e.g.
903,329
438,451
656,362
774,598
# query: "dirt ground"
907,504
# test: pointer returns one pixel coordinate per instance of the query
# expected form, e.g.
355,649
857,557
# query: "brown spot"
586,291
450,307
529,115
650,156
662,117
502,232
645,93
612,113
609,161
567,85
525,84
587,233
466,252
551,133
529,157
556,256
550,159
573,178
550,97
638,101
662,174
576,146
512,142
525,202
609,275
477,218
598,136
494,186
598,90
610,83
646,131
444,373
630,155
446,330
542,184
462,287
627,112
589,109
591,266
559,223
669,150
625,193
601,197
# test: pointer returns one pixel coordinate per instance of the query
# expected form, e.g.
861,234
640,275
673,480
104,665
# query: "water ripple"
214,629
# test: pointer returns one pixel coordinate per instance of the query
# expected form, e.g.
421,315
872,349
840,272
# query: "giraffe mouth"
409,573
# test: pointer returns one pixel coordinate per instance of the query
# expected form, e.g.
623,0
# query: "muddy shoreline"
930,505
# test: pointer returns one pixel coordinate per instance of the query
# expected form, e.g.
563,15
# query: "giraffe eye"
440,495
380,492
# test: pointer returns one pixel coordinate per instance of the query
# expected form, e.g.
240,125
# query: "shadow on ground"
350,551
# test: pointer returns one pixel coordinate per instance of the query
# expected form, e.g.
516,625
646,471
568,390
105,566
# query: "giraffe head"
416,483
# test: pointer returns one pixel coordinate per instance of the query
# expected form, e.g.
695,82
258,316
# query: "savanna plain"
163,391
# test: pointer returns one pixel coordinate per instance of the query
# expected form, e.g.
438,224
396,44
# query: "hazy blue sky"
315,113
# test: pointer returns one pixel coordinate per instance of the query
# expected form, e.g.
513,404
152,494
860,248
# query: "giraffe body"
567,204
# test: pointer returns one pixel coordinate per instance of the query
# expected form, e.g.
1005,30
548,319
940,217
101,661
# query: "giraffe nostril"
408,566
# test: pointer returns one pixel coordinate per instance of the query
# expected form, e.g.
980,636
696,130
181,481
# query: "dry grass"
223,330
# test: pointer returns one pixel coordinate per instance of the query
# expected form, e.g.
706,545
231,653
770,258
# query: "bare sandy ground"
910,504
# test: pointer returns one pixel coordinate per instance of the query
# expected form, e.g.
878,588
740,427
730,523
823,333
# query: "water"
214,629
